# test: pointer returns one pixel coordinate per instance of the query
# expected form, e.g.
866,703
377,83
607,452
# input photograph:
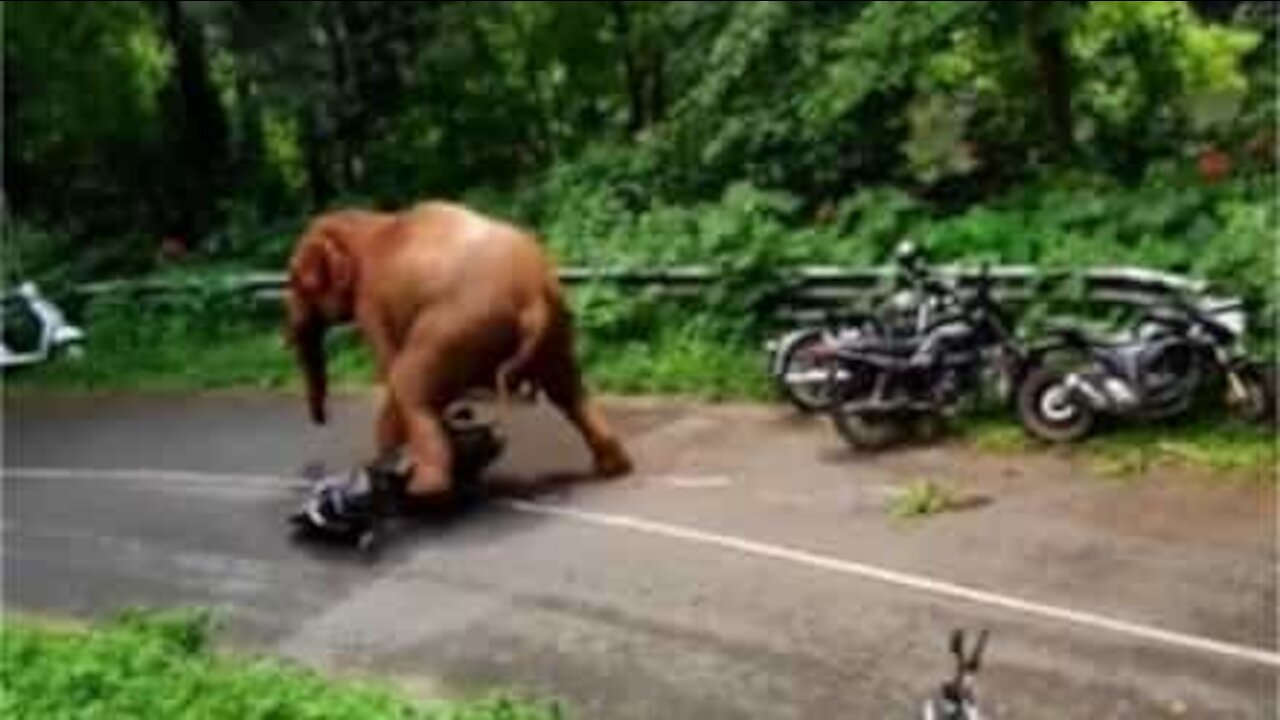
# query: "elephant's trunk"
310,344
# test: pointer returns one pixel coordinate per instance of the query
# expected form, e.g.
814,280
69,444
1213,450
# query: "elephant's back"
455,255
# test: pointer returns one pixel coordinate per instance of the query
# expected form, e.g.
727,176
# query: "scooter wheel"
1049,411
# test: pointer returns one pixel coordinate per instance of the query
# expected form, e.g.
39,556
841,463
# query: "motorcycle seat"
896,347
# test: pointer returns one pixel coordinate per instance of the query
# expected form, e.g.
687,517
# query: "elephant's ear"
323,266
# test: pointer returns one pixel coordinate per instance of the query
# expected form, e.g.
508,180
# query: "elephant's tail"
533,327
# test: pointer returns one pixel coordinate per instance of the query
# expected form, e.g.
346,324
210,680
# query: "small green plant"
922,498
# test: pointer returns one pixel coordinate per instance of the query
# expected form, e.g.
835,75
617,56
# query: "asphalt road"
748,570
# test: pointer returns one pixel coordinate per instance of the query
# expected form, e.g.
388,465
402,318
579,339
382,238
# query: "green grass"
671,363
163,666
680,363
1208,441
172,360
689,361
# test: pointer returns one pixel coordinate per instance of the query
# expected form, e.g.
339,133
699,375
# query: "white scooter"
35,329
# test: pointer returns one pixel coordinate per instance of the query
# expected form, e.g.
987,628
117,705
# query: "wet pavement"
170,500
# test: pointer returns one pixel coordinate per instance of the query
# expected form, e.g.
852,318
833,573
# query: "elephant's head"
320,294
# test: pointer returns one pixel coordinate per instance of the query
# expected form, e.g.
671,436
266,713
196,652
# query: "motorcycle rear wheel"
1048,411
806,397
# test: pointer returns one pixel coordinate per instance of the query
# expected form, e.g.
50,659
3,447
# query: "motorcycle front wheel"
1049,411
1258,386
869,431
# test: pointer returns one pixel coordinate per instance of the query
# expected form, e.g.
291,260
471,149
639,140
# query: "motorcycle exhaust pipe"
1080,387
1105,394
814,377
1122,395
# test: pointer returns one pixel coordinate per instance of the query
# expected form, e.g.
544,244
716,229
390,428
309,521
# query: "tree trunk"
658,88
335,40
637,116
319,180
1047,38
542,111
251,137
201,124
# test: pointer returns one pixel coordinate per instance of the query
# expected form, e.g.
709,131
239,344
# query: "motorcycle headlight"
903,301
1232,320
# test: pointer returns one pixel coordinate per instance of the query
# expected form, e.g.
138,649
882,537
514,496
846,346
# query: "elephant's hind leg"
561,380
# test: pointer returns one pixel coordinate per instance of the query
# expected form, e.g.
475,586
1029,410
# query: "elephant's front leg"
391,433
378,336
414,416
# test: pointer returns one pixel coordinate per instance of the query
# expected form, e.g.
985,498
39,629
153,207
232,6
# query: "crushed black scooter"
354,509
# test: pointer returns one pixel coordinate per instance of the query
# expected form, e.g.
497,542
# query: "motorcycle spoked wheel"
871,431
1049,411
866,430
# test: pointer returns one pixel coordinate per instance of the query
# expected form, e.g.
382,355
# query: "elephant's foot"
612,460
427,481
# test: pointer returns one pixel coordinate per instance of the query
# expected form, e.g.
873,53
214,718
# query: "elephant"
449,300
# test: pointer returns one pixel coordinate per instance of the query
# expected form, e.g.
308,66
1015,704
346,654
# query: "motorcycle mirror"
975,658
957,644
907,254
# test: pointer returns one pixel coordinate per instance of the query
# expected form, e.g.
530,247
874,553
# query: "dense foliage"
147,665
747,135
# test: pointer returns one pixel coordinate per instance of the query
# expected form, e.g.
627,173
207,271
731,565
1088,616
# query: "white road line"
746,547
695,482
152,475
906,580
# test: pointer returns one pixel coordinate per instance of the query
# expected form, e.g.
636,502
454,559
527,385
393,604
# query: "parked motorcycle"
1172,354
801,370
889,383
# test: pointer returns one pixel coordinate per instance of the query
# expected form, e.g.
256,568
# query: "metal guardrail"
810,291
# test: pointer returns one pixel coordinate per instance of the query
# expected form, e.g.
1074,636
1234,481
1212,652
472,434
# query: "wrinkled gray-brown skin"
448,300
